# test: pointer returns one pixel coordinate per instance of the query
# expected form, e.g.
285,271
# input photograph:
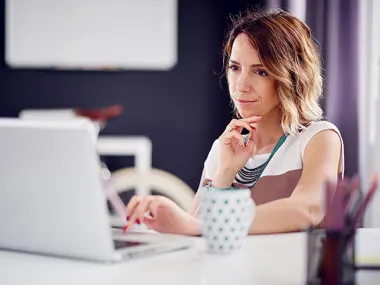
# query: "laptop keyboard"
126,243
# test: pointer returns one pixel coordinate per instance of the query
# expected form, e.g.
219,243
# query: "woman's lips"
245,102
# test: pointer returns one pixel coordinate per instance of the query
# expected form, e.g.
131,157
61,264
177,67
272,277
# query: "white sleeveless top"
285,168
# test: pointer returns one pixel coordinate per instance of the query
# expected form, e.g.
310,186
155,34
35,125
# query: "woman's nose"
243,83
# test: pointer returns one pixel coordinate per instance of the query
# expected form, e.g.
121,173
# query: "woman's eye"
234,67
261,72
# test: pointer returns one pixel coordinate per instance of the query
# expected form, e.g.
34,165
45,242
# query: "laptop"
52,199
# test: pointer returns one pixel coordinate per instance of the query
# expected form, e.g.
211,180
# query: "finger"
251,135
238,125
135,200
153,207
141,209
252,120
229,136
233,125
149,222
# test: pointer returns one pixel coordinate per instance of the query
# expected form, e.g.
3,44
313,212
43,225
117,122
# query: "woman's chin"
245,114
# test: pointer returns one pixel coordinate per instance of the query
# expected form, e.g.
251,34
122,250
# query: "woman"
274,78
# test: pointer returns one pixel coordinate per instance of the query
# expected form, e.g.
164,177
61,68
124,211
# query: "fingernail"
125,228
128,218
245,144
138,221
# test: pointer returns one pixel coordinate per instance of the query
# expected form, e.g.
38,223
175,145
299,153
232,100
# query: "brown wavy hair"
289,52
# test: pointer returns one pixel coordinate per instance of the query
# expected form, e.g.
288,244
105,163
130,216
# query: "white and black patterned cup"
226,216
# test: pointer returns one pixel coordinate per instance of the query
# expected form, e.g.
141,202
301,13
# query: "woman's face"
252,89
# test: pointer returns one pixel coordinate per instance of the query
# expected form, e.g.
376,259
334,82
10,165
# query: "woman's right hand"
161,214
234,150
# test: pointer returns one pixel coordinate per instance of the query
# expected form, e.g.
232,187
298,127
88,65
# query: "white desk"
271,259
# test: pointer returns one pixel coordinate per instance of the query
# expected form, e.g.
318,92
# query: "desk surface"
268,259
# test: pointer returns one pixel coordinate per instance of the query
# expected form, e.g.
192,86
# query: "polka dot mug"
226,216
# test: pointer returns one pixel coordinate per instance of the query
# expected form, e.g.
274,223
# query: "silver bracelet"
210,187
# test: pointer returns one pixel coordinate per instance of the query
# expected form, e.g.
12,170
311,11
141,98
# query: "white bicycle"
141,179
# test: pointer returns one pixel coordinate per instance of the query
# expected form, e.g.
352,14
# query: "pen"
360,208
367,199
334,205
338,205
327,220
354,195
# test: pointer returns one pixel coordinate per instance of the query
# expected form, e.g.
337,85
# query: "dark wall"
182,110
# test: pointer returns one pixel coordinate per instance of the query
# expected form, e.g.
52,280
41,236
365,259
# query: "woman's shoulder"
314,128
311,130
318,126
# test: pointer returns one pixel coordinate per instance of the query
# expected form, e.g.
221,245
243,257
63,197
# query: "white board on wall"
91,34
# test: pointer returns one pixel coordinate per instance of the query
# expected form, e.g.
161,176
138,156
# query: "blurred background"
161,61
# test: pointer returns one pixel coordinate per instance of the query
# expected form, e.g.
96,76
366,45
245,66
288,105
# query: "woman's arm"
304,208
194,209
